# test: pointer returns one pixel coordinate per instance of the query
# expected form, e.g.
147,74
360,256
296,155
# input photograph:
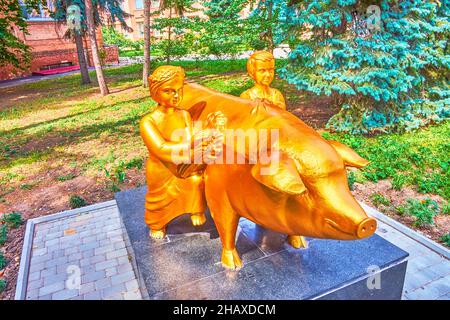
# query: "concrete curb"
430,244
22,277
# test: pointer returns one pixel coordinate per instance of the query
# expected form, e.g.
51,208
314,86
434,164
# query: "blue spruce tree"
385,62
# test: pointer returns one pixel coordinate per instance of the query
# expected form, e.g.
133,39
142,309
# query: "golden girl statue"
169,193
261,68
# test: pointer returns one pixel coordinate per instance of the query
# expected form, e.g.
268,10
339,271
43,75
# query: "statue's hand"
208,145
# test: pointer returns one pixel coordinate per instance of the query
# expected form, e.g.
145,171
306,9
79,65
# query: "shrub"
423,210
3,234
2,261
351,179
2,285
12,220
445,239
77,202
378,199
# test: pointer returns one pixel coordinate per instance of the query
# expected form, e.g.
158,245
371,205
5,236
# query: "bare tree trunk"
82,58
169,36
95,56
269,31
146,71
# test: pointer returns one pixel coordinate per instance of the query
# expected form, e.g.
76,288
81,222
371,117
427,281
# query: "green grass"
419,159
69,129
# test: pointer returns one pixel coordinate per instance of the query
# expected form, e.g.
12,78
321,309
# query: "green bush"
2,261
445,239
77,202
423,210
2,285
3,234
378,199
112,36
351,179
12,220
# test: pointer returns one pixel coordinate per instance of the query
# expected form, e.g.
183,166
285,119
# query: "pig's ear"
350,157
282,176
196,110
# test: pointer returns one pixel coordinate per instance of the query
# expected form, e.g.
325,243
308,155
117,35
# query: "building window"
140,27
156,33
41,14
139,4
155,3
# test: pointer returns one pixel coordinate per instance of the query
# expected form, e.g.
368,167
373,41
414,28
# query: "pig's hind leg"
226,221
297,242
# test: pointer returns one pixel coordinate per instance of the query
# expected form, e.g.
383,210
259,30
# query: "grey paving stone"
132,295
39,252
65,294
77,256
32,294
119,245
36,284
132,285
122,277
90,239
104,249
420,278
105,264
55,278
55,262
111,271
71,250
88,246
116,253
95,295
424,261
93,276
87,287
54,287
52,242
125,267
34,276
102,284
48,272
113,291
36,266
442,268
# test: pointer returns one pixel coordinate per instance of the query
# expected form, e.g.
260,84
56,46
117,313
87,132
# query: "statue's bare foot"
198,219
157,234
231,259
297,242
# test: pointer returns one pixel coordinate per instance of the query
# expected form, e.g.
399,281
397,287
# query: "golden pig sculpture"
307,194
302,191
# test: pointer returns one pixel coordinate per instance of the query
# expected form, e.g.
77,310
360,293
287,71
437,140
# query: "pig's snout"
366,228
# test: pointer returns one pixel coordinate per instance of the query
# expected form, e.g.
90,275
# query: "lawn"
63,145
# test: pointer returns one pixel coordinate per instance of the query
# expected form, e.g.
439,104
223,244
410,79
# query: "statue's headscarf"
161,75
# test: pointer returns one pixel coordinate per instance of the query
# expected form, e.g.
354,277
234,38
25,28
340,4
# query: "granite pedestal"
186,264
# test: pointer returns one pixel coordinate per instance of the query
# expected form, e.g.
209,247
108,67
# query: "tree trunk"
146,71
269,31
95,56
169,36
81,58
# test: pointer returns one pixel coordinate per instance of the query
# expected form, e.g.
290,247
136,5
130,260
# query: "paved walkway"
81,257
84,256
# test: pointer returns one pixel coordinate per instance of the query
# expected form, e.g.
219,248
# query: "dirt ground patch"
364,193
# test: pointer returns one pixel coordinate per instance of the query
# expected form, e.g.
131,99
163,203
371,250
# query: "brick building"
49,47
136,21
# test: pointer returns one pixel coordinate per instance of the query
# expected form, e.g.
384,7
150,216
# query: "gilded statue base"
186,263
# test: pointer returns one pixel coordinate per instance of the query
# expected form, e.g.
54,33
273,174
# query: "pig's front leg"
297,242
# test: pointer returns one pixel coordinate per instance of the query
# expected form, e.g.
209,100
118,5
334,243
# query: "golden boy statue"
261,68
169,195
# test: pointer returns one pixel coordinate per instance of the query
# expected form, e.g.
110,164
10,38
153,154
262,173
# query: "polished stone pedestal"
186,264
